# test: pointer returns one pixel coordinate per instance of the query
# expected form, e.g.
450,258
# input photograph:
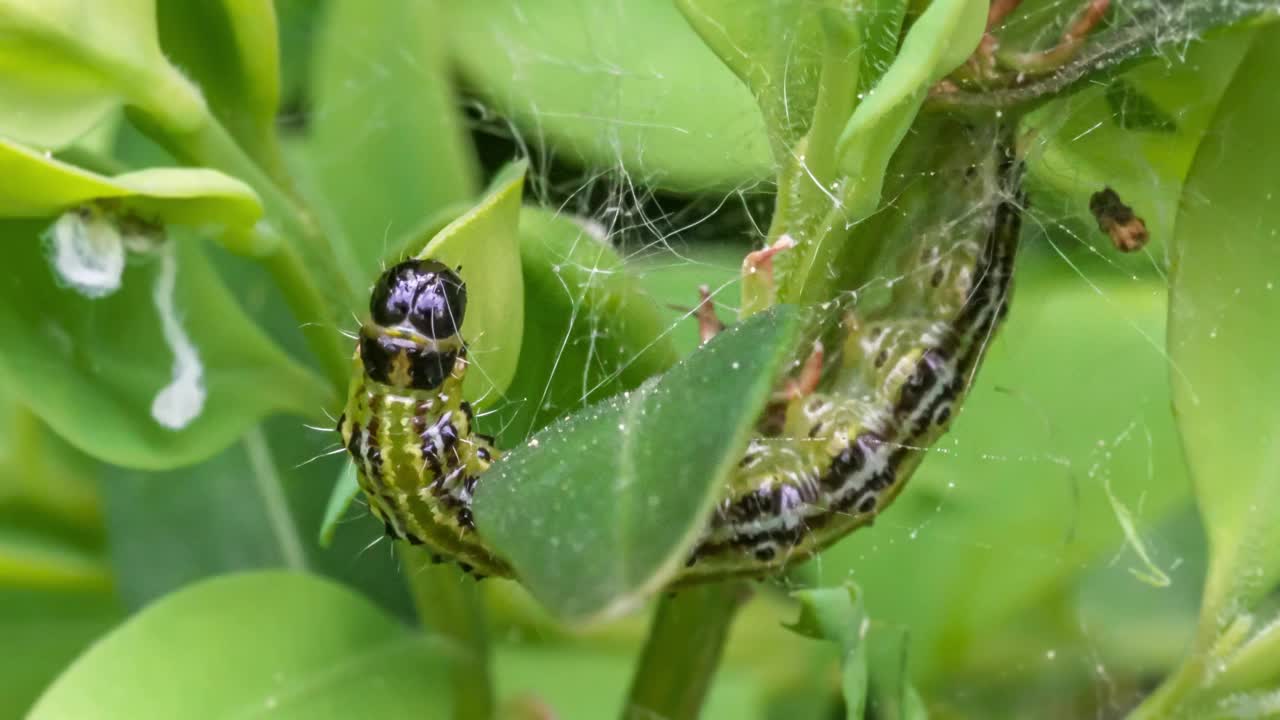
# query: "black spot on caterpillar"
820,467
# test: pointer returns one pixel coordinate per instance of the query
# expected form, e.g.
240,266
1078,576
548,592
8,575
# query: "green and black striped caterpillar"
823,463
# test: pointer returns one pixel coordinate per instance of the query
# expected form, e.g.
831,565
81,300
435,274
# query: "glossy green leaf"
95,369
228,513
485,243
590,330
35,185
778,51
386,147
230,48
583,79
836,614
1224,299
289,645
1133,110
255,505
622,488
68,63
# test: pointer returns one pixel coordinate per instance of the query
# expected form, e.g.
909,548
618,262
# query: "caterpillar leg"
983,62
761,261
758,287
1086,21
805,383
709,324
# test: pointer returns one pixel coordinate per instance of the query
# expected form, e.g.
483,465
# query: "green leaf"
485,243
103,372
67,64
35,185
278,643
343,494
590,330
836,614
386,146
583,79
255,505
230,48
777,50
1224,299
596,510
1133,110
230,511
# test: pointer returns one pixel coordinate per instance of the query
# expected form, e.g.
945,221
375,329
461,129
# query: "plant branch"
682,651
450,604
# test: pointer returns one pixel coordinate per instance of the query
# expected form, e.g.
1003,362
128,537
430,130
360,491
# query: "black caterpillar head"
426,293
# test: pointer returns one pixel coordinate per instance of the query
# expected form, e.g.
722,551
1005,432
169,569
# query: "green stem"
682,651
450,604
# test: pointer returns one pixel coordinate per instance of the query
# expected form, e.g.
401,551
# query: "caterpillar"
822,463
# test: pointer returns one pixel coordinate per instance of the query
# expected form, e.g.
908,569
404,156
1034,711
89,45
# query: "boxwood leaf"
590,330
386,147
1224,299
485,243
584,80
34,185
94,369
776,49
291,645
836,614
598,509
69,63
